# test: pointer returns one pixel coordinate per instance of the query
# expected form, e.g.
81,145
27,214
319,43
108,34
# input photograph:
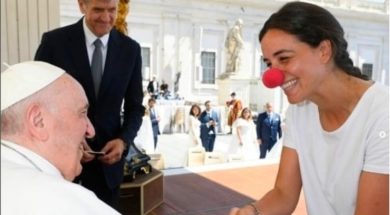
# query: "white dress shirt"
90,39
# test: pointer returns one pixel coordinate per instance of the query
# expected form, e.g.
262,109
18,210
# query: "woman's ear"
36,123
325,49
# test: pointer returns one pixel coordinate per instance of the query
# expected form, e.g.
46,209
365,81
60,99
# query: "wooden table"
142,195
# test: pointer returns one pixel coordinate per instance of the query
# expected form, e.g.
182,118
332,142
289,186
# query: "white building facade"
186,38
183,42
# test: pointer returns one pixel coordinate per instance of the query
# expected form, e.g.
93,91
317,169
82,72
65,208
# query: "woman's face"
195,111
246,114
300,63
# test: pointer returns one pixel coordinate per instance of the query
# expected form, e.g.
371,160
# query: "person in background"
244,140
44,124
336,141
107,64
208,128
268,130
235,107
164,91
153,88
194,125
145,138
155,119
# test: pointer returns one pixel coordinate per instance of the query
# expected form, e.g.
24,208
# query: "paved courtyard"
174,149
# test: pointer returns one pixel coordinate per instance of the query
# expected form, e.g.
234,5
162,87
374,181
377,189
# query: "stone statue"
234,45
176,83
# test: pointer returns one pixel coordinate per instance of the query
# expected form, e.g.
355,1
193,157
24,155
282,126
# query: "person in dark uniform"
268,130
208,128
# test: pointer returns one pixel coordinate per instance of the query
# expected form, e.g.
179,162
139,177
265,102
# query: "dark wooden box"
142,195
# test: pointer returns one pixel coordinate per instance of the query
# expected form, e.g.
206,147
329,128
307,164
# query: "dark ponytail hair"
312,24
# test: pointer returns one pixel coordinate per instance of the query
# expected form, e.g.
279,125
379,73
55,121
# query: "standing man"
268,129
153,88
108,66
208,127
155,118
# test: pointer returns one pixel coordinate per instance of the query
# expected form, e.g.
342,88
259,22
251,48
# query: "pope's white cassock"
31,185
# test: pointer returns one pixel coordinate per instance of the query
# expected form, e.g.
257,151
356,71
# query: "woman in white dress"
144,139
195,152
244,141
194,126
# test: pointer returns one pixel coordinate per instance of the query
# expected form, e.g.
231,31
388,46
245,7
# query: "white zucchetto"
22,80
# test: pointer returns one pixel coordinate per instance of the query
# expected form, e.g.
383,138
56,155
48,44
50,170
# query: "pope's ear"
36,122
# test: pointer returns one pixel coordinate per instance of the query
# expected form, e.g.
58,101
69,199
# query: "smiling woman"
341,170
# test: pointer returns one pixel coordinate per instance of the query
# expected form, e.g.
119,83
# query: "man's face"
268,107
151,104
100,15
208,106
70,127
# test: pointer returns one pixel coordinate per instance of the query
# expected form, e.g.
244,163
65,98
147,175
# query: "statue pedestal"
249,90
233,83
238,83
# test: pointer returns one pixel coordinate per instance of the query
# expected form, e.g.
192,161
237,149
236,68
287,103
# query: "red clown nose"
273,78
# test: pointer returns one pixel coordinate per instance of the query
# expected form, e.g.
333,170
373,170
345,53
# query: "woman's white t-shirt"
331,162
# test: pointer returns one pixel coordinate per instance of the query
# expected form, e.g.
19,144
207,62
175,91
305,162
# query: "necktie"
97,65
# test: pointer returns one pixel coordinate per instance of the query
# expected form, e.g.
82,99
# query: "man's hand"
212,123
114,150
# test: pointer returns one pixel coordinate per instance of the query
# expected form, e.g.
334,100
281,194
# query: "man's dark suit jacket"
151,88
122,79
268,130
207,137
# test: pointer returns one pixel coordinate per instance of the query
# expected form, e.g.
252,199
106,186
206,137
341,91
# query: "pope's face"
100,15
70,127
